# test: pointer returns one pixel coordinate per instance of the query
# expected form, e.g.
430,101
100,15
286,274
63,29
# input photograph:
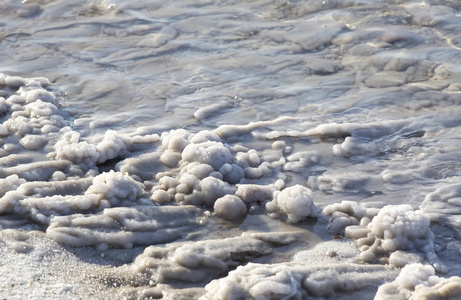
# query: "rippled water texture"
230,149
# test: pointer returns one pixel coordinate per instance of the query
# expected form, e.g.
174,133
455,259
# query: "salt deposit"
385,231
293,203
416,281
216,150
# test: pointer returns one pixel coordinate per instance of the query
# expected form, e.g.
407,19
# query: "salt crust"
125,226
196,261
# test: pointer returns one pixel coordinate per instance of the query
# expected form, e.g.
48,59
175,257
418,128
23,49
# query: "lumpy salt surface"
230,149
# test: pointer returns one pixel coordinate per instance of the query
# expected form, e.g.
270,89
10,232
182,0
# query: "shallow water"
354,100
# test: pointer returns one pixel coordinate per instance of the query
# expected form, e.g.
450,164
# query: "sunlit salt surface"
230,149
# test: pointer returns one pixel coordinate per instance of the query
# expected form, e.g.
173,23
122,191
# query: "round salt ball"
230,208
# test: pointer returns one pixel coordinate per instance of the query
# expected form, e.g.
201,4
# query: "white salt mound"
403,286
394,227
417,281
211,153
80,153
292,204
115,187
445,289
111,146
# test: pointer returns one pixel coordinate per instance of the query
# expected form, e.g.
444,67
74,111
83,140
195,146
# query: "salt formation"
86,155
417,281
81,153
125,226
196,261
448,288
115,188
10,183
345,214
443,204
403,286
293,204
347,182
204,169
294,281
383,233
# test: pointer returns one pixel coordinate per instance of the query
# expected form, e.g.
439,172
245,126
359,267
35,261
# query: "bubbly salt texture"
230,149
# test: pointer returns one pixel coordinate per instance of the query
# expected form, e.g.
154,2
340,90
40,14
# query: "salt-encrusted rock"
10,183
204,136
14,81
232,173
357,146
44,209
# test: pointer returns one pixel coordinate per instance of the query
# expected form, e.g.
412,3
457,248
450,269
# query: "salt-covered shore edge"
164,187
